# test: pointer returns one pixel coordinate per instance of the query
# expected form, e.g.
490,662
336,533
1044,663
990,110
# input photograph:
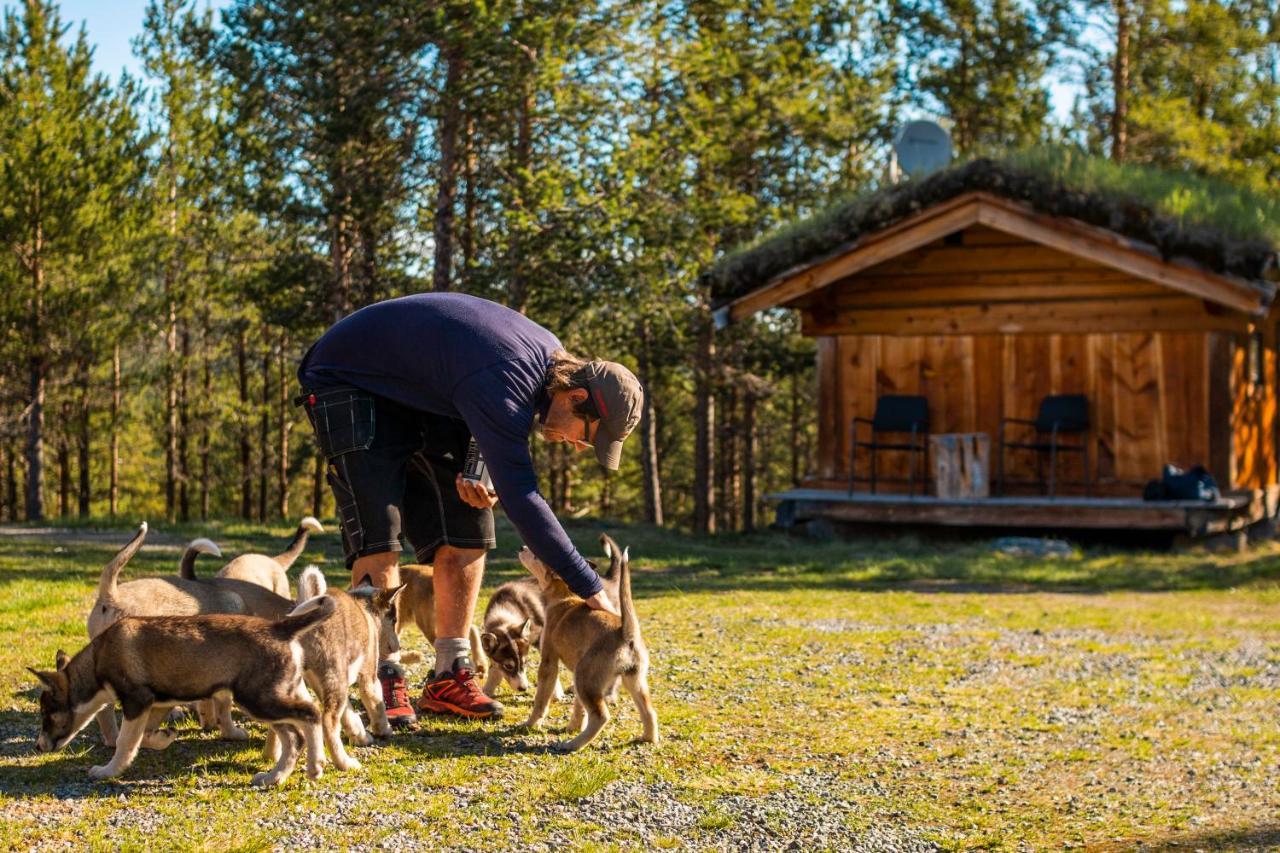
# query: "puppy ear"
526,628
488,641
385,599
49,679
62,660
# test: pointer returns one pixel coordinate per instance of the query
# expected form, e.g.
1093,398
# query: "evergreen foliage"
172,245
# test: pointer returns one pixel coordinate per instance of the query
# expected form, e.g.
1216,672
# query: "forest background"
171,243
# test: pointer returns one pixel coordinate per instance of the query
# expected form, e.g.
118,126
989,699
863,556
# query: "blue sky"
112,24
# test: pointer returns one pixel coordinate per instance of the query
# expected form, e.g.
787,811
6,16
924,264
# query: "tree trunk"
450,122
468,204
264,437
206,415
246,470
113,497
36,384
64,463
284,425
184,427
85,492
171,409
704,413
523,160
11,488
340,252
1120,83
606,492
649,434
749,462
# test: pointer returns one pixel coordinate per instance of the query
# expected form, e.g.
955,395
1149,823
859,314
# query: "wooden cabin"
985,303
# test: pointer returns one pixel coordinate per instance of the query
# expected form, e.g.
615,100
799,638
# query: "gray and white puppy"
272,572
346,650
513,622
153,663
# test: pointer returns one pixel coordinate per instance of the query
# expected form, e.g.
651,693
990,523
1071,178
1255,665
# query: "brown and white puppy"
417,605
151,663
167,596
600,648
513,622
346,650
271,572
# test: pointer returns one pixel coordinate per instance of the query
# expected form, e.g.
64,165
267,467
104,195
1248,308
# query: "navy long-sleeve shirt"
463,357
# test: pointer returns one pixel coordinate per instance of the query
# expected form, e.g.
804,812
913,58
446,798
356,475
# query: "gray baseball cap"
618,397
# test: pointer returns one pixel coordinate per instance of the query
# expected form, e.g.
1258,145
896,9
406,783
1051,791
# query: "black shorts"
392,471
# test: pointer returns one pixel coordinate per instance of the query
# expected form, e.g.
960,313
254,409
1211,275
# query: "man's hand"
600,601
475,494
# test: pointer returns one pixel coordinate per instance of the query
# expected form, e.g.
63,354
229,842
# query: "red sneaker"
396,695
458,693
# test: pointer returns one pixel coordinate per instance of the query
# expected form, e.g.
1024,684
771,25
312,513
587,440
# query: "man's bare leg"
458,573
383,571
457,576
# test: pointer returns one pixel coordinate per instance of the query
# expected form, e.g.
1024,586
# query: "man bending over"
395,393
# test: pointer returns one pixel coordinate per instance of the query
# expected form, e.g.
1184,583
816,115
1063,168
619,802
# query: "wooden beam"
916,231
864,298
1110,249
1160,313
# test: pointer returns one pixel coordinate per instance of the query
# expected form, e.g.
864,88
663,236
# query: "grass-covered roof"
1222,227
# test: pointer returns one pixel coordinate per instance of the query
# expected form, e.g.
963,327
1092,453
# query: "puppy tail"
305,616
614,553
311,583
630,624
306,527
111,571
196,547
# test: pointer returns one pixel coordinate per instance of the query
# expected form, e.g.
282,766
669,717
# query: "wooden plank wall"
1149,394
1253,411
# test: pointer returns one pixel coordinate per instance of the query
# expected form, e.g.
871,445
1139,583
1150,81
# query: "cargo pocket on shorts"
347,511
344,419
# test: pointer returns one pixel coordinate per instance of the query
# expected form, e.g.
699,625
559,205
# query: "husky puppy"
270,572
513,622
185,595
153,663
344,650
417,605
600,648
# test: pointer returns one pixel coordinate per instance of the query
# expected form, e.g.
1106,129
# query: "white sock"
449,649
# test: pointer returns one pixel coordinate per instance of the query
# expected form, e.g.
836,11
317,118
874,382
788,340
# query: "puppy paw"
315,772
644,741
379,731
564,746
266,779
348,765
102,771
235,733
530,725
159,739
361,738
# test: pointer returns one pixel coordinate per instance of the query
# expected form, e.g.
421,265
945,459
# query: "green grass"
971,699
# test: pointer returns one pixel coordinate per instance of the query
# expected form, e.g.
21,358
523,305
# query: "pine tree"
982,65
65,163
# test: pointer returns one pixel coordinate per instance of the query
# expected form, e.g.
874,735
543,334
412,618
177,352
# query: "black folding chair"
1060,415
902,414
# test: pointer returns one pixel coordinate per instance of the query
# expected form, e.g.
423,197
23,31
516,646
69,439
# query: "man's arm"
504,443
